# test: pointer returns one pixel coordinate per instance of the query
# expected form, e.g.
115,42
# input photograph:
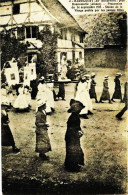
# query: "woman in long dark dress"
117,93
92,90
120,114
61,92
105,94
42,139
33,85
7,137
74,154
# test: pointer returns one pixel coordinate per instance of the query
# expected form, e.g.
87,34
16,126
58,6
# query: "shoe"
101,101
84,116
110,102
89,112
16,150
119,118
96,102
44,157
53,110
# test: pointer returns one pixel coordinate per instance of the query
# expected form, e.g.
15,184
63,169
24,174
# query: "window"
80,55
31,31
32,57
64,34
16,9
81,39
13,76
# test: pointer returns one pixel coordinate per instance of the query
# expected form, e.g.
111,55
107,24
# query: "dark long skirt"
74,157
7,137
117,94
61,92
33,85
105,95
92,93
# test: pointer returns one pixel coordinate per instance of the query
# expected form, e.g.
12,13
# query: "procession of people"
19,99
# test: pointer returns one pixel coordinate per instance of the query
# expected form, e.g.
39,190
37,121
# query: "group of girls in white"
81,105
85,91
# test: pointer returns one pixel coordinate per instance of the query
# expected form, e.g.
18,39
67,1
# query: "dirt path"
103,143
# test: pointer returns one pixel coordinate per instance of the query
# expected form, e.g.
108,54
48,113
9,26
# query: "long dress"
92,90
74,153
7,137
125,98
117,93
50,94
42,139
82,95
61,92
120,114
4,97
105,93
33,85
28,96
21,100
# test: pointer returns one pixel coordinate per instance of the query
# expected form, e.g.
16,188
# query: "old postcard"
64,97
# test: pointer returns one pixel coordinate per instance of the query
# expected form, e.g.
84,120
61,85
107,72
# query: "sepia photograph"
64,97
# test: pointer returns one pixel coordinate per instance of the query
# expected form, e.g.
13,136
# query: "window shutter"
20,33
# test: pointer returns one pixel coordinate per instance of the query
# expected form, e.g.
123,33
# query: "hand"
80,133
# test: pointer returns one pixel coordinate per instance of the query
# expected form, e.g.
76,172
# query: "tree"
10,47
47,59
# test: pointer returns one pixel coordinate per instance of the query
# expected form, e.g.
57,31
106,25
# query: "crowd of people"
80,106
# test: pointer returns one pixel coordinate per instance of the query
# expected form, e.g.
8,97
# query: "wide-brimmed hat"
41,78
4,104
40,103
3,85
93,74
106,77
118,74
75,106
87,76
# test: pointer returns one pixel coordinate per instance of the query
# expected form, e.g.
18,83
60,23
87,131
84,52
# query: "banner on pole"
12,75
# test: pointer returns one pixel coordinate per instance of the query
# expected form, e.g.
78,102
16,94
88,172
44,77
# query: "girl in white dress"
50,95
4,97
43,94
82,95
27,91
21,100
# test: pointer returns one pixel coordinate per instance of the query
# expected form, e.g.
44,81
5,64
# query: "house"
28,17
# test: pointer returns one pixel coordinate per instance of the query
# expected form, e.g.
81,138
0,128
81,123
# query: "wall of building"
113,58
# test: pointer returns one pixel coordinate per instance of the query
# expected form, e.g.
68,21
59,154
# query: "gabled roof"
61,13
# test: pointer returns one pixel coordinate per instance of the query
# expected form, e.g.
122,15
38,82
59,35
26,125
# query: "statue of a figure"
63,68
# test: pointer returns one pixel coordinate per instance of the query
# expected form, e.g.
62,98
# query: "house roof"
61,14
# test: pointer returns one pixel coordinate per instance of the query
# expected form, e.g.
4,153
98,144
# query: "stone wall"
111,58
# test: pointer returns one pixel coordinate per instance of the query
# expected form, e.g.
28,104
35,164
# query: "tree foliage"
47,61
10,47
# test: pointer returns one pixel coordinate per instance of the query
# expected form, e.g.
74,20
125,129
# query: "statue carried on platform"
63,72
